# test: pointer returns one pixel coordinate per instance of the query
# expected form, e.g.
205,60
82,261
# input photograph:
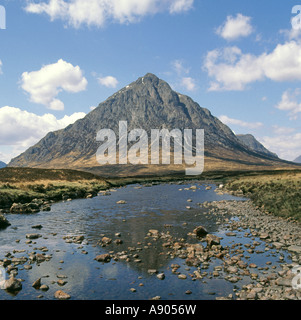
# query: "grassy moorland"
278,193
22,185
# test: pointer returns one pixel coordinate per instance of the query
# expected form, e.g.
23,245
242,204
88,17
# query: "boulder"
294,248
37,284
79,238
3,222
33,236
106,240
154,233
25,208
40,257
212,240
200,232
264,236
161,276
38,226
103,258
192,262
12,285
61,295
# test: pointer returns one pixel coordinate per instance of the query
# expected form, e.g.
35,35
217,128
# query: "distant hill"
147,103
2,164
298,160
251,142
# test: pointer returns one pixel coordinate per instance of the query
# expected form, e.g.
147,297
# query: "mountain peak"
147,103
149,79
150,76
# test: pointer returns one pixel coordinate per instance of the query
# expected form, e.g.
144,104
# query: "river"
162,207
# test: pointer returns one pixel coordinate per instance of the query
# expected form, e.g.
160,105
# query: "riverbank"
277,193
29,190
25,190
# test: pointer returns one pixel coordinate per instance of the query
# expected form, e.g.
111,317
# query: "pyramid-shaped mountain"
148,103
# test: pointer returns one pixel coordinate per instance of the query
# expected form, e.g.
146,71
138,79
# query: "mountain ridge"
2,164
298,160
250,141
147,103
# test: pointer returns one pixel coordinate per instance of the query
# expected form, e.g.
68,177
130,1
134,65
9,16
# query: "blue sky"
240,59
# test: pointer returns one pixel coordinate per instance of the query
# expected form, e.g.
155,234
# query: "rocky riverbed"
275,233
226,249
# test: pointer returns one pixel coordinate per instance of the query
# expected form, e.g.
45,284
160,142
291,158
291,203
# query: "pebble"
61,282
161,276
44,287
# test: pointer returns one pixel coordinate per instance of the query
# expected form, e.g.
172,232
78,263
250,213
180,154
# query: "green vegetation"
22,185
278,193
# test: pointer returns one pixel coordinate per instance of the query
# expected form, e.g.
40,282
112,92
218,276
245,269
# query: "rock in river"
3,222
37,284
33,236
103,258
212,240
61,295
12,284
200,232
294,248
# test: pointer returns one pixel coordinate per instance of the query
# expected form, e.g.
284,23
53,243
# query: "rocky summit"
148,103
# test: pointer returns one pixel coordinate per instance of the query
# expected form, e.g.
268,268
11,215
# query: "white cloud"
230,121
188,83
289,102
20,129
182,73
282,130
178,6
287,146
45,84
233,70
4,158
291,34
1,67
98,12
178,66
109,82
235,27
